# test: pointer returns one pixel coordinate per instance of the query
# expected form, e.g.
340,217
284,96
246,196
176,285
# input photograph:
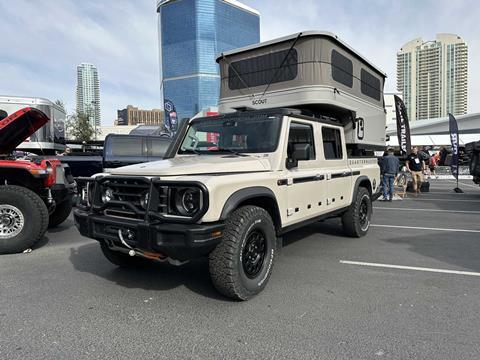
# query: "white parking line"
429,210
414,268
434,199
424,228
463,184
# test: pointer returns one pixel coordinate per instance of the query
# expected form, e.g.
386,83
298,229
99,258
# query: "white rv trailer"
50,138
314,71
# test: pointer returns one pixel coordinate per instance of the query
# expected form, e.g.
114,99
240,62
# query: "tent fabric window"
264,69
342,69
370,85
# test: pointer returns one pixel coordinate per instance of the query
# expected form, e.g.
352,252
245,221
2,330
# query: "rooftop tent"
313,70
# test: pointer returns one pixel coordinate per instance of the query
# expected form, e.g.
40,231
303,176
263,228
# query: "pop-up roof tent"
314,71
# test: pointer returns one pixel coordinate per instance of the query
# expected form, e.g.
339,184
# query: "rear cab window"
126,146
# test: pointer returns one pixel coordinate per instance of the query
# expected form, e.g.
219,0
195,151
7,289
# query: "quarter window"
342,69
332,143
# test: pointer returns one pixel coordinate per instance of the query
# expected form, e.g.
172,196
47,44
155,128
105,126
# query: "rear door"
335,163
124,150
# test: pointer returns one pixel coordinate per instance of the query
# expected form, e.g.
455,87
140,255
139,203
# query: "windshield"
243,134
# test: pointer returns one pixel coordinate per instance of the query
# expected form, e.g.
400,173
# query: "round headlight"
107,195
144,200
187,201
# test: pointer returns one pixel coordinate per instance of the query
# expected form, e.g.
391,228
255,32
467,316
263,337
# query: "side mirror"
300,152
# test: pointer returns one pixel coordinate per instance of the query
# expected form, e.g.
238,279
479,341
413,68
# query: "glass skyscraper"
88,92
191,34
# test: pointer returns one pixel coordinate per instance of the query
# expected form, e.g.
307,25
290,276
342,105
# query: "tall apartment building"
135,116
191,34
432,76
88,92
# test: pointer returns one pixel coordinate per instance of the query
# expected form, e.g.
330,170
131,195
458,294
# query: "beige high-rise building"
134,116
432,76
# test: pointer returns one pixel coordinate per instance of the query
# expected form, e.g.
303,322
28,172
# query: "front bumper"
177,241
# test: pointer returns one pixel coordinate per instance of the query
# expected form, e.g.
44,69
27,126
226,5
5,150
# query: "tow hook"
50,197
132,252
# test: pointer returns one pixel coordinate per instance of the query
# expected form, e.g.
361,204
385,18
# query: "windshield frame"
278,117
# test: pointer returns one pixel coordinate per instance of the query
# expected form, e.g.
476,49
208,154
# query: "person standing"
389,168
416,167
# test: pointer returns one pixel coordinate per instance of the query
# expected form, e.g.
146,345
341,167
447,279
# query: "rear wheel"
60,214
23,219
241,264
356,221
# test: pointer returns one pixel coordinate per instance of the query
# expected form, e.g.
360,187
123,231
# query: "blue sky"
43,41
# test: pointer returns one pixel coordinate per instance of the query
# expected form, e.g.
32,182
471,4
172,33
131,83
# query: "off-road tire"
35,217
121,259
352,220
229,264
60,214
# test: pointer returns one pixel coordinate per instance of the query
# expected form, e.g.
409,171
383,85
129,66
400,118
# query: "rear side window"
370,85
159,147
126,146
301,134
332,143
342,69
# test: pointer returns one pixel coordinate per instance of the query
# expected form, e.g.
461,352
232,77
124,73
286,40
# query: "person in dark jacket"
389,169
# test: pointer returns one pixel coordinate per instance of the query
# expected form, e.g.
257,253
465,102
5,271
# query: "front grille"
126,196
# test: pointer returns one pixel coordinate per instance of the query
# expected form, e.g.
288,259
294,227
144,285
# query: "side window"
275,67
342,69
159,146
126,146
301,134
332,143
370,85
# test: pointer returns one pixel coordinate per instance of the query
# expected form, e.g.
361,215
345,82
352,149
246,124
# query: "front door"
305,182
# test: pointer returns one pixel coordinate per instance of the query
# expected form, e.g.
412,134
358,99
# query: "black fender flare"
357,185
246,194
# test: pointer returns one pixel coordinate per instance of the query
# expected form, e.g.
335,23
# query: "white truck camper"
313,71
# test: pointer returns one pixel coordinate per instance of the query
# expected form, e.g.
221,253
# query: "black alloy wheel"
253,254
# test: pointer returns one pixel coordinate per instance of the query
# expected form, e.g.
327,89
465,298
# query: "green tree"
80,128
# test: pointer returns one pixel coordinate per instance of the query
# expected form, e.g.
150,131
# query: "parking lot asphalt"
410,289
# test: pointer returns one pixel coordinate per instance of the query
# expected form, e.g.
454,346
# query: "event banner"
454,139
171,120
403,127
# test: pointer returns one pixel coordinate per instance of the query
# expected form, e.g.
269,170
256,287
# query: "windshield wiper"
231,151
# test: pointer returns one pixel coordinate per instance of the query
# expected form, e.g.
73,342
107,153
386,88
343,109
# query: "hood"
15,128
196,165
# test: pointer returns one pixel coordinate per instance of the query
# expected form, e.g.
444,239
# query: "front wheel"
241,264
23,219
356,221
